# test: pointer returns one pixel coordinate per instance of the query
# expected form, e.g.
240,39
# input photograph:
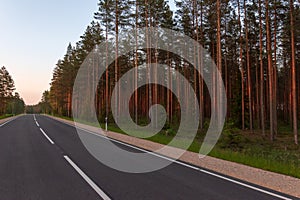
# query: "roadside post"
106,123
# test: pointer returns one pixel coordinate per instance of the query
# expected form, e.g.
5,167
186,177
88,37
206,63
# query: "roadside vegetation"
10,101
6,116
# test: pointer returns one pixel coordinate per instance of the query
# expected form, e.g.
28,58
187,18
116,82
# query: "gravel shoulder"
2,121
278,182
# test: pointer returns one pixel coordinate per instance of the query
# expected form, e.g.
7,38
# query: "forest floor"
253,149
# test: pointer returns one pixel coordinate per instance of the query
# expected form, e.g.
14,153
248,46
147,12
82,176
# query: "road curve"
41,158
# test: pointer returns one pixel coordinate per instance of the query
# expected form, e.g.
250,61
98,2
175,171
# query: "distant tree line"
255,44
44,106
10,101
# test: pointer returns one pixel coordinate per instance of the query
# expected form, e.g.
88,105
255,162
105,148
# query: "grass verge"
6,116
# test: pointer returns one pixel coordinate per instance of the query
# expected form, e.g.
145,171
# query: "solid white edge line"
190,166
46,136
182,163
87,179
9,121
143,150
245,185
37,123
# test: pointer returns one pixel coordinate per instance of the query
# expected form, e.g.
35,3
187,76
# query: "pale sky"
35,34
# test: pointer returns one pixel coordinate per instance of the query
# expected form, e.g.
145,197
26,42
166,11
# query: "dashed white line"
46,136
87,179
183,164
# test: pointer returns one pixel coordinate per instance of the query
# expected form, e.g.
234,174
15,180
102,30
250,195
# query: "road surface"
41,158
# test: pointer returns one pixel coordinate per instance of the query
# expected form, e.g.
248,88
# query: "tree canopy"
10,102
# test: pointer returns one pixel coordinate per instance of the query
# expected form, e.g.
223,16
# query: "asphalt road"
41,158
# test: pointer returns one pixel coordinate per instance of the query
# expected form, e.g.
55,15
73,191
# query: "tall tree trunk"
195,25
226,68
293,68
262,74
155,88
219,60
136,64
200,63
148,93
249,87
106,73
241,67
270,71
117,101
275,70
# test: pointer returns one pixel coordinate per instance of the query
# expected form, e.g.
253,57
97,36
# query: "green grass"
267,161
6,116
249,148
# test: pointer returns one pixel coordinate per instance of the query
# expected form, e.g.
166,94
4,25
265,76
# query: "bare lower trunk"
249,88
270,72
293,68
262,75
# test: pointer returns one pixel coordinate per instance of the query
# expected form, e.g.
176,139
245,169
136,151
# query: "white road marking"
245,185
182,163
190,166
87,179
46,136
9,121
143,150
37,123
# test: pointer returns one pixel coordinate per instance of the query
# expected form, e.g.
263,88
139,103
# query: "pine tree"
7,87
293,68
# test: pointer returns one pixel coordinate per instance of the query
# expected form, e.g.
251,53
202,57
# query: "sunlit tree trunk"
257,90
270,71
195,35
293,71
117,101
275,70
200,62
106,72
262,74
219,59
136,63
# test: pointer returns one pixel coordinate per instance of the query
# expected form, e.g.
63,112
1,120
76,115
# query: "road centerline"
48,138
87,179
